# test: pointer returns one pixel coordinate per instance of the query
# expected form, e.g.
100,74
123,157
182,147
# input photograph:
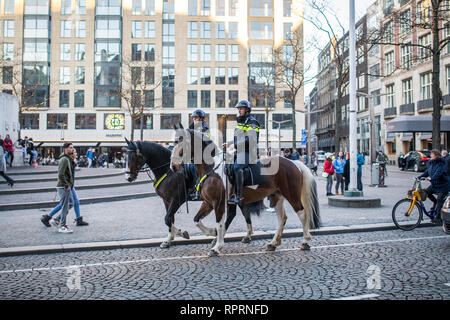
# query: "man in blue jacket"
437,174
360,162
339,164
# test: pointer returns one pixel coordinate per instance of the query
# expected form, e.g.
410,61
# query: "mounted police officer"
246,138
198,124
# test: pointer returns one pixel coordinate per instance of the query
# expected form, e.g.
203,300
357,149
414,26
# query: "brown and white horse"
286,180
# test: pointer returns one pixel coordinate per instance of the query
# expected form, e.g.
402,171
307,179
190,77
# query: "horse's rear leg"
204,210
248,220
220,218
306,235
281,215
171,209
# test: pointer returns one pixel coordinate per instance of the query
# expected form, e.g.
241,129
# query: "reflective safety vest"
246,136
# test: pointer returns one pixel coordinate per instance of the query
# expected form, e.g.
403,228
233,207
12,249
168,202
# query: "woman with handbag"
328,174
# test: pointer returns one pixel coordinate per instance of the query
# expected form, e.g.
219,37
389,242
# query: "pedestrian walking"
314,163
347,171
64,185
3,165
76,203
360,161
296,155
339,164
90,157
446,157
328,174
9,149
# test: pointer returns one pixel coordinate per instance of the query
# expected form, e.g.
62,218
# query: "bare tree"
432,16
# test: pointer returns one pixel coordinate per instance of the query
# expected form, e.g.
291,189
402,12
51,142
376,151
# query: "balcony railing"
390,112
407,108
425,105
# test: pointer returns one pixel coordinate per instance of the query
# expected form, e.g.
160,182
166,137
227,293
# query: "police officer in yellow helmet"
246,138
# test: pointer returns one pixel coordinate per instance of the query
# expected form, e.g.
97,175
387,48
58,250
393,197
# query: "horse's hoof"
305,247
165,245
213,243
186,235
246,240
271,247
213,253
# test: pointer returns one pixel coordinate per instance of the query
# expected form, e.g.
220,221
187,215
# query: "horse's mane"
155,149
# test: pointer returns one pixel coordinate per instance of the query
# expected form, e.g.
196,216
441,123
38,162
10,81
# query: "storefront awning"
390,137
407,136
426,136
416,124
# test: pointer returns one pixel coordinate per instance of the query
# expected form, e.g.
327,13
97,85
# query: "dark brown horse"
170,186
285,180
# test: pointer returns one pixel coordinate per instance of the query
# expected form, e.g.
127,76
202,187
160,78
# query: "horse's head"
135,161
192,147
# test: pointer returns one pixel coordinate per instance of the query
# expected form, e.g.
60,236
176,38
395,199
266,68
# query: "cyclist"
437,174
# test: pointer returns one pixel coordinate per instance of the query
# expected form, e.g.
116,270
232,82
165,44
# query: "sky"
341,7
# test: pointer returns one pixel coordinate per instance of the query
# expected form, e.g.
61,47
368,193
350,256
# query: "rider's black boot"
239,182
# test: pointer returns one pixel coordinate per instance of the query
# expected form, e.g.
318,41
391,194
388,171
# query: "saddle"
252,174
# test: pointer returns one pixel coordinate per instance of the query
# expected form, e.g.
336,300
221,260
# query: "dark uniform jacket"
203,127
246,138
437,171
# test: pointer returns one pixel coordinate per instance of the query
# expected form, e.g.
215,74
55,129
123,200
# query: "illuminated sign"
114,121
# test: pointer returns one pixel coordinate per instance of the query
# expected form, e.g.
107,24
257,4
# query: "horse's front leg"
220,218
171,209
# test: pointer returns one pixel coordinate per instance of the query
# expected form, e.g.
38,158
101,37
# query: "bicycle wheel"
406,216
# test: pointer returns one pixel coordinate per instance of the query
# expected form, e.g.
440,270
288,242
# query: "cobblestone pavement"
144,218
405,265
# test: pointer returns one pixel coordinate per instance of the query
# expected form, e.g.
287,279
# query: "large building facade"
89,70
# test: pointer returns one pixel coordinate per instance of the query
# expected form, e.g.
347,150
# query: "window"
233,52
376,97
86,121
233,98
192,30
361,103
169,55
81,7
65,52
205,7
80,51
406,57
149,29
8,29
260,53
192,99
205,99
205,30
220,7
220,75
150,7
425,86
66,7
136,7
64,98
232,30
64,75
277,117
79,98
260,8
149,74
7,75
149,52
389,61
36,51
35,27
9,6
168,32
136,27
220,98
136,75
220,30
261,30
287,34
425,41
221,52
407,91
80,29
147,122
233,75
56,121
66,26
448,79
192,52
233,7
287,8
169,120
36,7
374,72
390,96
205,75
205,52
107,28
149,100
405,22
287,99
79,75
288,53
108,7
192,75
8,51
136,52
29,121
361,82
192,8
388,32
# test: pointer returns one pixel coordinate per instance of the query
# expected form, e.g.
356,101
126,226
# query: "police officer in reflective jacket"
198,124
246,138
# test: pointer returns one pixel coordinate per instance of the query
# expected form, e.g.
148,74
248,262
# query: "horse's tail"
309,197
